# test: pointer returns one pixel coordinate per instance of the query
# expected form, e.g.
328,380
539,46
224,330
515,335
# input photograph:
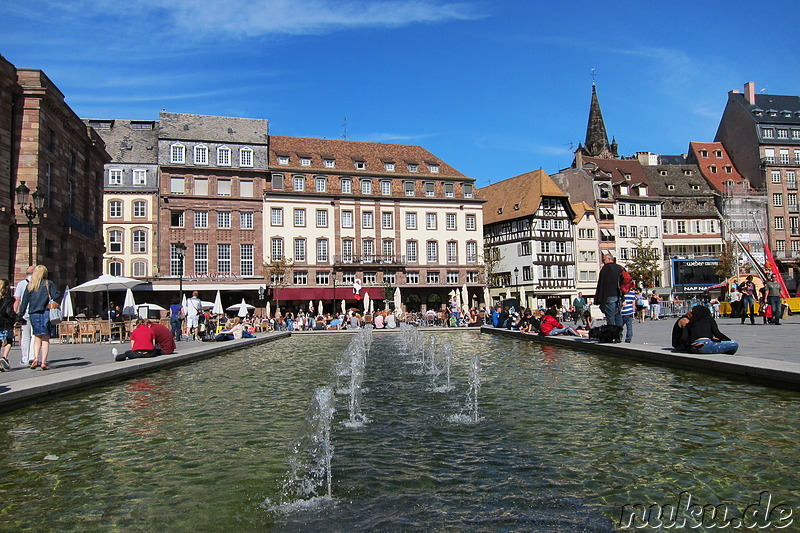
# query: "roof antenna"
344,129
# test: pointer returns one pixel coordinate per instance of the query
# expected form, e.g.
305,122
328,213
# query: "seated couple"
551,326
234,331
148,339
697,332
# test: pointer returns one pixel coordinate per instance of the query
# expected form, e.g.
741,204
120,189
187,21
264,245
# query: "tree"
645,265
491,260
277,273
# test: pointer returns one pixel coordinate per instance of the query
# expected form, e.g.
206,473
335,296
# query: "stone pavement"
74,367
767,354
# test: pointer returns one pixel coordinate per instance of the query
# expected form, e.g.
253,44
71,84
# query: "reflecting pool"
562,441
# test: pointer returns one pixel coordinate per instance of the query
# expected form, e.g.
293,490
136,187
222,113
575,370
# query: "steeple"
596,144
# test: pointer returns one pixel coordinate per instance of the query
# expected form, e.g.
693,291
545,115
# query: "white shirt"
193,306
19,291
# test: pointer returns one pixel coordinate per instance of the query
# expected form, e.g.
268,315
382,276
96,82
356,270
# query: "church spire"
596,144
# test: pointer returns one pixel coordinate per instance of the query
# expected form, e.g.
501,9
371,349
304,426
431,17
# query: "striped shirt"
630,303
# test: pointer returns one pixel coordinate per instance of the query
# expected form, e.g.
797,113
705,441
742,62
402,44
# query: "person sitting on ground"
235,331
143,343
391,321
527,323
551,326
703,336
378,321
677,332
164,339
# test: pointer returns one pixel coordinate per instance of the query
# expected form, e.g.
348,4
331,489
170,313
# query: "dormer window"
718,154
713,169
703,153
768,133
388,167
670,187
623,189
728,169
360,165
200,155
687,172
305,161
283,159
662,172
627,177
642,190
330,163
433,168
177,153
413,167
695,187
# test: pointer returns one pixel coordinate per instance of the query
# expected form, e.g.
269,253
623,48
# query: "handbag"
55,310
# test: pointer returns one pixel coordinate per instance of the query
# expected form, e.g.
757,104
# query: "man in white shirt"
193,309
26,340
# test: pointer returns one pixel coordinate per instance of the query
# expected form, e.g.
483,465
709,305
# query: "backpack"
626,283
7,315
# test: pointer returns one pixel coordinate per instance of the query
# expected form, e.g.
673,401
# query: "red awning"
325,293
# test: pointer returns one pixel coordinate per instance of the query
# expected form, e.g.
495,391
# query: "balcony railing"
369,259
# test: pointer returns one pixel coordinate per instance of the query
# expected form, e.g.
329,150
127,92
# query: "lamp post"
180,248
30,210
516,281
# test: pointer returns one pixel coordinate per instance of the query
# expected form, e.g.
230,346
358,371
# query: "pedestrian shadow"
69,362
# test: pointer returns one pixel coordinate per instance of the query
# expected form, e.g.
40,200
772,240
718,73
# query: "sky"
494,88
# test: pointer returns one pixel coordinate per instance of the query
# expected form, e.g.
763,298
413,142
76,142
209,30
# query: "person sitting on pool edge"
551,326
702,335
235,331
143,343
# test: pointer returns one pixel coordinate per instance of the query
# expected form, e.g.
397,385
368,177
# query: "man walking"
607,293
579,303
193,309
26,338
748,291
774,290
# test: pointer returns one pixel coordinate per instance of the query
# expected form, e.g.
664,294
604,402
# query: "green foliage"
645,266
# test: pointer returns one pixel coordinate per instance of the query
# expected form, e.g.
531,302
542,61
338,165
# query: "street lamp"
180,248
30,210
516,280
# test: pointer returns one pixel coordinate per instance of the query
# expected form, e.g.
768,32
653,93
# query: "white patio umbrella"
206,305
267,311
243,305
107,283
371,306
398,302
242,312
66,304
457,296
145,308
311,306
129,307
487,298
344,308
217,308
464,297
319,307
523,299
366,302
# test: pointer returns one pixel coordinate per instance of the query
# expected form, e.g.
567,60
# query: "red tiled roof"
715,179
617,169
518,196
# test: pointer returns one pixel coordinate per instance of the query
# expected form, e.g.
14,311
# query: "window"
588,275
791,179
201,219
783,133
412,278
201,258
224,258
386,187
472,252
450,221
277,182
347,219
323,278
769,155
544,271
653,210
321,184
795,134
139,269
115,176
777,199
223,156
347,186
433,251
768,133
283,159
411,251
276,216
778,222
451,278
348,278
430,189
413,167
366,219
433,168
783,156
277,249
329,163
177,153
780,246
561,246
200,155
623,232
300,250
223,187
322,218
224,219
776,176
390,278
322,250
621,209
452,252
388,251
305,161
430,220
115,268
176,186
544,247
468,190
681,226
299,183
201,186
386,220
246,157
432,278
623,254
139,209
347,250
301,278
247,259
411,221
388,167
176,219
470,222
728,169
175,261
370,278
449,190
115,242
140,176
114,209
408,187
366,186
246,220
368,250
791,199
360,165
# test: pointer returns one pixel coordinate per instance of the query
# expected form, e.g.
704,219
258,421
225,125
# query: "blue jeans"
775,303
612,309
711,347
748,308
627,321
565,329
175,323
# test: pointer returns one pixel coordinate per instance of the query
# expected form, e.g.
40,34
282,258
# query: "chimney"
750,92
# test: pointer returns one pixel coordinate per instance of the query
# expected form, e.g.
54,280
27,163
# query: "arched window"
139,269
115,268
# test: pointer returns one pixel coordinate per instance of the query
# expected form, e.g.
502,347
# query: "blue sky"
495,88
